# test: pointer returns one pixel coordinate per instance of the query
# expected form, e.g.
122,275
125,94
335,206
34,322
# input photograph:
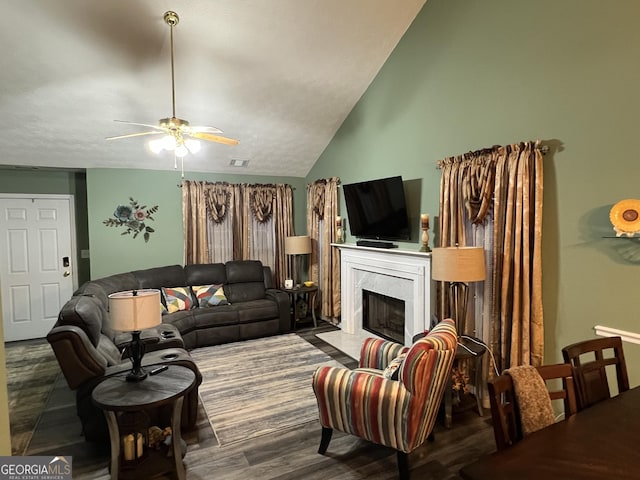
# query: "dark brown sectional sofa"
88,350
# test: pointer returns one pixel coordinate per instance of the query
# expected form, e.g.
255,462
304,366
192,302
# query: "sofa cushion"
243,271
256,310
209,295
178,298
161,277
245,281
205,274
103,287
182,320
212,317
85,312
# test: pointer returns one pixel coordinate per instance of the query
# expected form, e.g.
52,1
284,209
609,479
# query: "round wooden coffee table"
117,396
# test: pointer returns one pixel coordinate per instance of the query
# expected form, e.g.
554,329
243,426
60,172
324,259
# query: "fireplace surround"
401,274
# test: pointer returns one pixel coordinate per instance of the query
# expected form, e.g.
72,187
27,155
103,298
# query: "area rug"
257,387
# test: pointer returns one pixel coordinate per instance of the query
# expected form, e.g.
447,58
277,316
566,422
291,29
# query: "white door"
36,255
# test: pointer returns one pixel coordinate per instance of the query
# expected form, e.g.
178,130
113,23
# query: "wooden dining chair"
505,412
590,359
567,392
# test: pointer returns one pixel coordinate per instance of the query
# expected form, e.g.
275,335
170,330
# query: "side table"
310,293
116,396
467,349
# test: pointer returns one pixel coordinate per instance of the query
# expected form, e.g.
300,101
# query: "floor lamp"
458,266
133,311
296,246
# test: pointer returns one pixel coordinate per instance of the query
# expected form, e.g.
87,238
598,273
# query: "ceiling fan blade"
214,138
139,134
204,129
140,124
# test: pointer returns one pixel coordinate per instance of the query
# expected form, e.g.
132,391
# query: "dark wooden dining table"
600,442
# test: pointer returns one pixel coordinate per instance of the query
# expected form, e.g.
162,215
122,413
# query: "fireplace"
401,274
383,315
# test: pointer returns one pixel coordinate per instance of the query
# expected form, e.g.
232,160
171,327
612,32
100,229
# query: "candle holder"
424,226
339,231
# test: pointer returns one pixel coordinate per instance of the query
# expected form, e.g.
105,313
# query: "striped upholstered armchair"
369,403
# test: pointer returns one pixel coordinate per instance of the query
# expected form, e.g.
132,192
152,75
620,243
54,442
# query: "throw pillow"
210,295
177,298
393,369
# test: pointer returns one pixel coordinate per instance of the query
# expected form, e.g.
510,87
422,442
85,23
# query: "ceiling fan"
177,135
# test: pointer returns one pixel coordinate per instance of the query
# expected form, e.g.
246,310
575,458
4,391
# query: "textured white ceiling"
279,75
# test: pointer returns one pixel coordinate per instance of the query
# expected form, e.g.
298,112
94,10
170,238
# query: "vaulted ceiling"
278,75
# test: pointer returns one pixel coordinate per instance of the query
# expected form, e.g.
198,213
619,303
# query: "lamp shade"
134,310
300,245
458,264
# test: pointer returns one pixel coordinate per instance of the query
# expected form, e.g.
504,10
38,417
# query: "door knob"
66,273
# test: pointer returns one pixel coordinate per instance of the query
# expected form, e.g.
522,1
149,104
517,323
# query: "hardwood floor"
289,455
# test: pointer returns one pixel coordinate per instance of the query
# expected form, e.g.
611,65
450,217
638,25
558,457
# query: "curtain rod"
544,149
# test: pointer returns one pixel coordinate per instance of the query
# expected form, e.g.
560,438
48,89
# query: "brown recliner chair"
87,353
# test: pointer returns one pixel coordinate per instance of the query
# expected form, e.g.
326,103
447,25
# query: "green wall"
112,252
60,182
469,74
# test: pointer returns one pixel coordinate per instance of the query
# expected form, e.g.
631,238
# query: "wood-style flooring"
290,455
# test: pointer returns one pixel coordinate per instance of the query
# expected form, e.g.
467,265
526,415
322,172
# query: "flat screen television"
377,209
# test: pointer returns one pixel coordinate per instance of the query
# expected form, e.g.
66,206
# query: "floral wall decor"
133,218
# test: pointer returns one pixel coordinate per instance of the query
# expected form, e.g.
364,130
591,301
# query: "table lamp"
296,246
458,266
133,311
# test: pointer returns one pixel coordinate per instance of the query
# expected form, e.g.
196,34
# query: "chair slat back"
590,359
505,412
567,393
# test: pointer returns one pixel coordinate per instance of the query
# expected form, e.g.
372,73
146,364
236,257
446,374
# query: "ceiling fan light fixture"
169,142
181,151
157,145
179,136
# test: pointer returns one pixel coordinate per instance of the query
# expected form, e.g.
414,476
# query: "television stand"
375,244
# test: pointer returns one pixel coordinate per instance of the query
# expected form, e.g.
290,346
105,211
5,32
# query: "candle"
338,221
139,445
128,447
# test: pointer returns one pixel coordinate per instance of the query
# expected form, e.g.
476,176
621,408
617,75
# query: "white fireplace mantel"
401,274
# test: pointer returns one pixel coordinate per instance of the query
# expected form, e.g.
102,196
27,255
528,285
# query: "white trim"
631,337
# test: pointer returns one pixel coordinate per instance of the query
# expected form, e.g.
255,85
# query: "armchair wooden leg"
403,465
324,441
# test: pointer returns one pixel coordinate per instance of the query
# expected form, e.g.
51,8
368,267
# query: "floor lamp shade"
458,266
134,310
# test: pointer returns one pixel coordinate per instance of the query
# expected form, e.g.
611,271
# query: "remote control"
158,370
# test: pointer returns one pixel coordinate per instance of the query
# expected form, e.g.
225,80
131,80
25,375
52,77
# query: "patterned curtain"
195,221
225,221
268,214
493,198
324,262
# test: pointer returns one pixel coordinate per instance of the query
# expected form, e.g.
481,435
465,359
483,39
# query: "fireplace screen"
383,316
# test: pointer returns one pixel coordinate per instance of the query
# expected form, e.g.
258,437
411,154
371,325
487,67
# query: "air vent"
238,163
